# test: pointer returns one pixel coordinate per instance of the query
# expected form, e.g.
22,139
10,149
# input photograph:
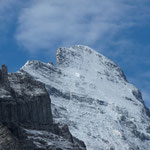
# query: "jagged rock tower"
4,75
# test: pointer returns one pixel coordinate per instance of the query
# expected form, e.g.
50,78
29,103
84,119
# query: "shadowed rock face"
26,118
3,73
7,139
4,76
26,102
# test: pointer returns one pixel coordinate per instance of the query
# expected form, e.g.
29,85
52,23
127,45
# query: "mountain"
26,120
91,94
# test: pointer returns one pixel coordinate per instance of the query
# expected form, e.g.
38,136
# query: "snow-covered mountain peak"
84,59
75,56
91,94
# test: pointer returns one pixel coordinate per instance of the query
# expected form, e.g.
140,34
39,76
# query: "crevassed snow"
94,99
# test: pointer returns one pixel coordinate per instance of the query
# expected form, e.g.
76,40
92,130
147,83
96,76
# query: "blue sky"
119,29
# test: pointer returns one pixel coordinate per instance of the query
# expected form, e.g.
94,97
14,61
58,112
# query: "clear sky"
119,29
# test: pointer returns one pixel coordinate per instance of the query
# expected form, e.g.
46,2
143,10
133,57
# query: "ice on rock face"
91,94
85,59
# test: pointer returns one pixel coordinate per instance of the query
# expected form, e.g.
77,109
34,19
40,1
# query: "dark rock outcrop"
26,118
26,102
3,74
7,140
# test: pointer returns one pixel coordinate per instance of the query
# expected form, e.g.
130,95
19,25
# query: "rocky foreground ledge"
26,121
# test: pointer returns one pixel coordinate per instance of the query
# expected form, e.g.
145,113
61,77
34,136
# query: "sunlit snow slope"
91,94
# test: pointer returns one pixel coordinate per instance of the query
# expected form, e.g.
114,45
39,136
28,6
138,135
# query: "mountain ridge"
91,94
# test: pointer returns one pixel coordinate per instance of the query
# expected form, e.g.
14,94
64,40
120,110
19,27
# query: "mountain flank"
90,93
26,120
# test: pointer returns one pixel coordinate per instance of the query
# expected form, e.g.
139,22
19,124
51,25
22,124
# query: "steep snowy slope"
91,94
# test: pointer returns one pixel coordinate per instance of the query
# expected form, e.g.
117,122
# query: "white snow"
77,74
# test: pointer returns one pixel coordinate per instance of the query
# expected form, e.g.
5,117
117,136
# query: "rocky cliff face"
7,140
26,102
26,118
90,93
